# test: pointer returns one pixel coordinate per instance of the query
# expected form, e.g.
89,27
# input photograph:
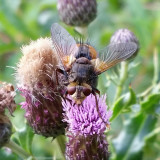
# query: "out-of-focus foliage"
135,130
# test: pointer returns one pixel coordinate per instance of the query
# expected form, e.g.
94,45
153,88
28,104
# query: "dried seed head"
37,83
77,12
123,36
7,95
5,130
36,64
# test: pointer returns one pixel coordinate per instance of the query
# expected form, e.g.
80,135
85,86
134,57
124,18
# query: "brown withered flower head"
5,130
77,12
7,95
36,81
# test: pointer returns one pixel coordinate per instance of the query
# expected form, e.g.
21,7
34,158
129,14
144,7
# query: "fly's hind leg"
94,93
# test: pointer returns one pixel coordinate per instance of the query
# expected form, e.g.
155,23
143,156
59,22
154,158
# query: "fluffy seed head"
36,64
37,83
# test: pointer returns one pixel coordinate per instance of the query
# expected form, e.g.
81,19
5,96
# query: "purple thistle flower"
43,112
85,119
86,129
92,147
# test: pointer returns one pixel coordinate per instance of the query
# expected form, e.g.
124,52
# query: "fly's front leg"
60,71
95,90
62,87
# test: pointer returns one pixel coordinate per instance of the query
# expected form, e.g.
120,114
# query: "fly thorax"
81,70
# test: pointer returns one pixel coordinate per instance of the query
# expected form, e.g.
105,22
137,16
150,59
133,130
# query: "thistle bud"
77,12
86,129
36,81
123,36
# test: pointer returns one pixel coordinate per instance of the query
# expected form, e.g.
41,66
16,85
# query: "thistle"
77,12
123,36
86,129
36,81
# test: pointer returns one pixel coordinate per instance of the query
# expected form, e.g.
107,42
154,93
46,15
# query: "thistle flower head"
77,12
93,147
37,83
85,119
86,129
123,36
37,64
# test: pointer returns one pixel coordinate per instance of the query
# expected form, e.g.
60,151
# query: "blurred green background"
135,129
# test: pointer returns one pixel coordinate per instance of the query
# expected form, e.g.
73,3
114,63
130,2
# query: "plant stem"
60,140
82,30
123,77
18,150
156,67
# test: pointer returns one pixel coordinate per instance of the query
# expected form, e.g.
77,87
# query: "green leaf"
7,47
130,142
123,103
25,137
151,103
12,23
4,155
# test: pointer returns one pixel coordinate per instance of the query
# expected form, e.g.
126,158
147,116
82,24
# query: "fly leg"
94,93
61,88
60,71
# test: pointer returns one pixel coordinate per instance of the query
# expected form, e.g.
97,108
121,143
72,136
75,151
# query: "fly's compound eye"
71,90
86,91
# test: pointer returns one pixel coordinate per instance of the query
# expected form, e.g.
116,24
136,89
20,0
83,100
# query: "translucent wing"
63,44
113,54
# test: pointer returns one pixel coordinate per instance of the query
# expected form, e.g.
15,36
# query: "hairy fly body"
81,64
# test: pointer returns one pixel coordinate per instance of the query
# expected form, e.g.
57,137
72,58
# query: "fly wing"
63,44
113,54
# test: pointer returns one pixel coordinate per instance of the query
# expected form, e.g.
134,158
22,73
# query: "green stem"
18,150
83,31
60,140
123,77
156,67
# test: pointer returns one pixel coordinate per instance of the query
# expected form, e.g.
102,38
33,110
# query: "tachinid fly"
81,64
